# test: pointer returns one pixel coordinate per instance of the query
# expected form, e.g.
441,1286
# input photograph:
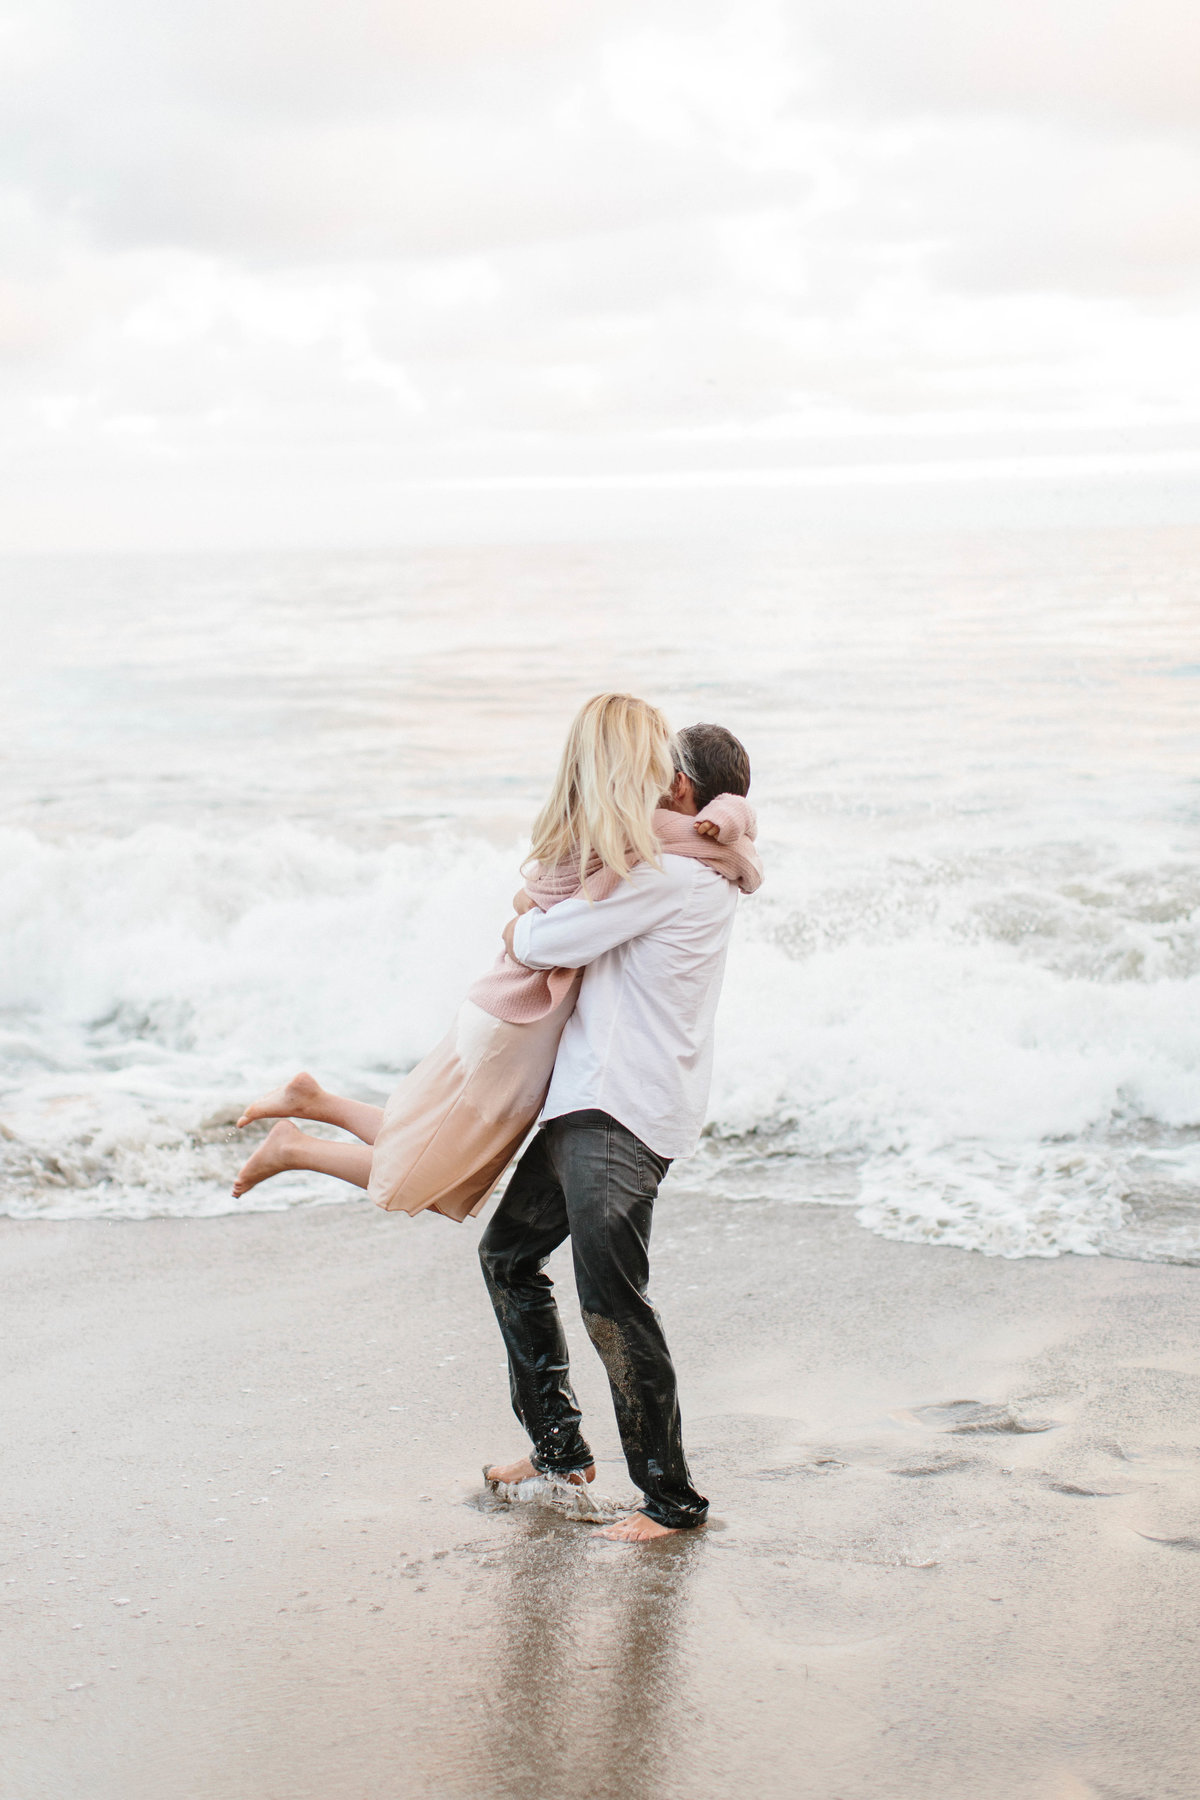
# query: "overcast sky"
261,255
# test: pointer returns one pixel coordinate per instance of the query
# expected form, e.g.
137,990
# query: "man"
628,1095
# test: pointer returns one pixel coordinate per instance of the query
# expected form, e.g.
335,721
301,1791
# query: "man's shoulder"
691,882
677,874
669,872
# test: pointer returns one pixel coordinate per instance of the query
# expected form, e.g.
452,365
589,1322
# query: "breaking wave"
998,1049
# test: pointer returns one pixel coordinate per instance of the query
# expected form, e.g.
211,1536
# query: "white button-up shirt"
639,1044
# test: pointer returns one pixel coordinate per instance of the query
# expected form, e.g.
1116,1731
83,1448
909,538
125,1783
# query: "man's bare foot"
293,1101
271,1157
524,1469
636,1529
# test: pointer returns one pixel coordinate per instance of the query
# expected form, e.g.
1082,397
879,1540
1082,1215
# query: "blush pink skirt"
457,1120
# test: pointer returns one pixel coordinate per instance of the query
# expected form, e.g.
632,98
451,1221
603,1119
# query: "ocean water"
264,812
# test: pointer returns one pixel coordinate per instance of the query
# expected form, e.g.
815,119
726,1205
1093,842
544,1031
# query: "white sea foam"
149,985
965,1002
995,1058
1013,1062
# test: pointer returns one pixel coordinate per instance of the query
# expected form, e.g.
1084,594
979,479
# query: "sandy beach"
247,1554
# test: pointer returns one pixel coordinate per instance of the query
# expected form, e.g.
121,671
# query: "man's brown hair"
714,759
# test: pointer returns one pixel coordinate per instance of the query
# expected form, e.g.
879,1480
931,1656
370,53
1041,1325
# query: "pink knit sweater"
511,991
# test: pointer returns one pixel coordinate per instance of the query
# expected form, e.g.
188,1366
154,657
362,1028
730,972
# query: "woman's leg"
287,1147
303,1097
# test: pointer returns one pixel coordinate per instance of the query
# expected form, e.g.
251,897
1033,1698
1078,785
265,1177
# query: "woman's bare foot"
524,1469
295,1100
636,1529
271,1158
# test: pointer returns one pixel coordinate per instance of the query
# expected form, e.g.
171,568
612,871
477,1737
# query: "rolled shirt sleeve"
575,932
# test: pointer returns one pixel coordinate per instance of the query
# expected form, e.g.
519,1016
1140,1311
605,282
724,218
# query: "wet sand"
246,1553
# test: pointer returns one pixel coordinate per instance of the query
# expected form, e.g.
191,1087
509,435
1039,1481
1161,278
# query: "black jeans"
587,1177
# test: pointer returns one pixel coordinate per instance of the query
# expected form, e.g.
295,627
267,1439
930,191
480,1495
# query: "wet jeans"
587,1177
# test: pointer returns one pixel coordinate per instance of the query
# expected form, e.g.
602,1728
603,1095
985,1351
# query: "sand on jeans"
246,1554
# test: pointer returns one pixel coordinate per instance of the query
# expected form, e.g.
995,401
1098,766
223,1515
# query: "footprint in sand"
1167,1458
933,1465
819,1465
1085,1493
961,1416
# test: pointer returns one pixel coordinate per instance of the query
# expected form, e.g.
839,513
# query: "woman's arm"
523,902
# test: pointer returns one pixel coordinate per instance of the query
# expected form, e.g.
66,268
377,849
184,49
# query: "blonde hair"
617,763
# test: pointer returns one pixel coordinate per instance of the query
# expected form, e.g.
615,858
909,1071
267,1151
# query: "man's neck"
680,797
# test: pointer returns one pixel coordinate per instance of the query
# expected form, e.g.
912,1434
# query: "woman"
456,1121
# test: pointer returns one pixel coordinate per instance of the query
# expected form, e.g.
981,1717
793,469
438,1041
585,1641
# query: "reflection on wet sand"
587,1661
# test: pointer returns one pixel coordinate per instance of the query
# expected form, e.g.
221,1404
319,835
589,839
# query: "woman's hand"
707,828
508,938
522,902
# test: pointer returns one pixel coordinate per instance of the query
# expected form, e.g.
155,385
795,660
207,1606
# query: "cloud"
459,235
268,133
1117,65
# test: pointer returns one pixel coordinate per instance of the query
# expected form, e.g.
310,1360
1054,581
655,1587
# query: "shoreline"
248,1554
